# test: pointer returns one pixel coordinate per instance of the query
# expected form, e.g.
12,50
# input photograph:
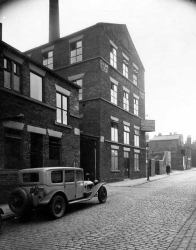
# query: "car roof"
44,169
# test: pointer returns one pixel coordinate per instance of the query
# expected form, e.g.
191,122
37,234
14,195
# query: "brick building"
180,154
39,118
102,59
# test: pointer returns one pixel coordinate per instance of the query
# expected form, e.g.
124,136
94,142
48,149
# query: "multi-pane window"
136,106
36,87
135,75
48,59
61,108
125,70
79,82
136,161
11,75
126,100
114,131
76,52
113,59
113,93
126,134
114,159
136,138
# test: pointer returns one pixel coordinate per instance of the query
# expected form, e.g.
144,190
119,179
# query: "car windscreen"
30,177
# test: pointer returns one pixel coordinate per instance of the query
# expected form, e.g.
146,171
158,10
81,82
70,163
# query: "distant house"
39,118
180,154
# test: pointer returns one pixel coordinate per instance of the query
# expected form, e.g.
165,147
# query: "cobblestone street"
155,215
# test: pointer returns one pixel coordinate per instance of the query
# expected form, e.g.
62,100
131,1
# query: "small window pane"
69,176
64,117
36,87
73,53
79,51
50,54
58,100
7,79
73,60
79,58
50,60
57,176
79,176
50,66
79,44
16,83
64,103
58,114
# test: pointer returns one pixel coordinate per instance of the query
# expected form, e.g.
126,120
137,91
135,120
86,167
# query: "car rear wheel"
18,200
57,206
102,194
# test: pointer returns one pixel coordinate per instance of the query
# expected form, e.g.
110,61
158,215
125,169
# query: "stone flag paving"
145,215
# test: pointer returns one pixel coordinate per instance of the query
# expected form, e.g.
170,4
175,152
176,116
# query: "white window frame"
114,159
126,134
61,110
125,70
136,106
114,93
136,161
125,100
113,56
114,131
76,55
136,137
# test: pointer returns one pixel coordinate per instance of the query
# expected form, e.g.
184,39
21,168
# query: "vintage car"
53,188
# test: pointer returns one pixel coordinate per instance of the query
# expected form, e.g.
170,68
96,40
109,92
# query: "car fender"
95,189
50,195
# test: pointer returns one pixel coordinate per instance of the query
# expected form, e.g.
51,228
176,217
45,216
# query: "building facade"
102,59
39,118
180,154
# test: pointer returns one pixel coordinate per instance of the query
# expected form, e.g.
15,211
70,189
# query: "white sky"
164,34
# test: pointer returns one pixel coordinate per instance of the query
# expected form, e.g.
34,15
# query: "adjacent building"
103,61
39,118
180,154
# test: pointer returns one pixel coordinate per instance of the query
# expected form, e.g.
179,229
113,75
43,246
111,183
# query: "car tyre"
18,200
102,194
57,206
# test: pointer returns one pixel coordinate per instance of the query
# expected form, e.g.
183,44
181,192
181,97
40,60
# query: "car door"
69,185
79,184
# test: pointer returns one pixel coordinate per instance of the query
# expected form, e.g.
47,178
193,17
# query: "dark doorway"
36,150
157,167
89,158
54,151
126,164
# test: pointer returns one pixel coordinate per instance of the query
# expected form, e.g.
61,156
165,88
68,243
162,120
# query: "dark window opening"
57,176
12,148
54,151
36,150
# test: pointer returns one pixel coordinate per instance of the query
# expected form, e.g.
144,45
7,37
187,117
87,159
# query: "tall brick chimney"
54,29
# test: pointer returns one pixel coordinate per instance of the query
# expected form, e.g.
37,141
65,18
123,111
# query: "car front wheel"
102,194
57,206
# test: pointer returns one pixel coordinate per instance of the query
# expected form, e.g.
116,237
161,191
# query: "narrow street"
155,215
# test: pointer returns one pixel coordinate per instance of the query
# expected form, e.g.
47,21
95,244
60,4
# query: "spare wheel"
18,200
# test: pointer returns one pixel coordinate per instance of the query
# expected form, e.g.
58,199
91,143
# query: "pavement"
8,214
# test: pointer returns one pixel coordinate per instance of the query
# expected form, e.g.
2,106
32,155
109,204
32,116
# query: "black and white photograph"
97,125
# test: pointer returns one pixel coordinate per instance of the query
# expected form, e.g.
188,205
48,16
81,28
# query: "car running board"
94,191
